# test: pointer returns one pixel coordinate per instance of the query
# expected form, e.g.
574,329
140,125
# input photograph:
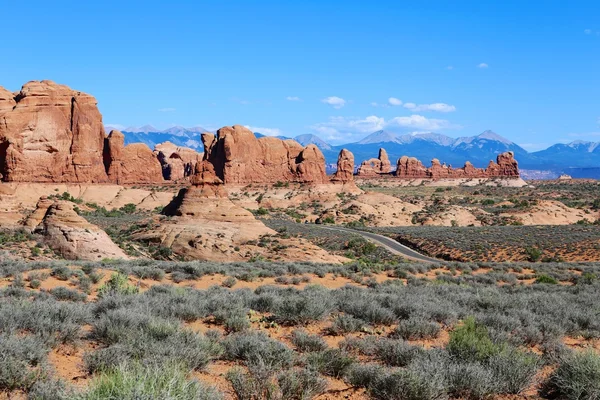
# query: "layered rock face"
177,162
238,157
71,235
376,166
345,167
50,133
134,163
411,168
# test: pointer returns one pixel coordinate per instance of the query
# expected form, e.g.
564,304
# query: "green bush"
471,342
543,278
136,381
117,284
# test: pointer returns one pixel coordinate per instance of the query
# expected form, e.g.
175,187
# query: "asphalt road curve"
390,244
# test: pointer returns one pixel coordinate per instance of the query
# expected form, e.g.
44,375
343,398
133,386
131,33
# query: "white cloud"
394,101
587,31
534,146
335,102
482,65
416,121
374,104
166,109
449,67
347,129
265,131
293,98
439,107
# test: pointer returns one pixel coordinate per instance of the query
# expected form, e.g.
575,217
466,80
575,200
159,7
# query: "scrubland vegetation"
145,329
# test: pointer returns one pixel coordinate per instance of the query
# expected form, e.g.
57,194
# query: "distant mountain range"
579,158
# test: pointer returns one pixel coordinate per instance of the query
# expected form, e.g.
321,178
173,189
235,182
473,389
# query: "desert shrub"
35,284
50,389
117,284
300,384
312,304
136,381
406,385
576,378
344,323
247,386
396,353
417,328
471,342
543,278
306,342
61,273
229,282
364,375
63,293
332,362
513,370
469,380
147,272
16,374
257,347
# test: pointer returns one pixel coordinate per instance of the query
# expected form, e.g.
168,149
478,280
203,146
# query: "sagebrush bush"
332,362
305,342
300,384
417,328
576,378
135,381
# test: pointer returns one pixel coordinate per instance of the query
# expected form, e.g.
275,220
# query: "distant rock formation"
345,167
71,235
375,166
177,162
50,133
238,157
411,168
134,163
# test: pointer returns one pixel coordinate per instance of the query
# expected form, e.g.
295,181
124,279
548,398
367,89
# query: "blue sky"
530,71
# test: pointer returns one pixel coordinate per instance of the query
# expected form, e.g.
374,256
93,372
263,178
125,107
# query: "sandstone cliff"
134,163
411,168
177,162
238,157
50,133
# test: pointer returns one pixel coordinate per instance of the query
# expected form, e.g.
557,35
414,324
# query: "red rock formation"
375,166
50,133
345,167
411,168
238,157
134,163
177,162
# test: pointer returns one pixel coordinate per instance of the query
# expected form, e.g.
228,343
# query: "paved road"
390,244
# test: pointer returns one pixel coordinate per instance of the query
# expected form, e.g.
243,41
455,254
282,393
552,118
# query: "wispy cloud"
265,131
438,107
334,101
354,128
587,31
449,67
167,109
394,101
293,98
482,65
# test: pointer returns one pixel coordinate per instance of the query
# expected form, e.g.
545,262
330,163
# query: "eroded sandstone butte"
345,167
51,133
238,157
375,166
505,167
177,162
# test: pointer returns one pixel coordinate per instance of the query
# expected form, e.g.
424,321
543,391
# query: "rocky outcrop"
375,166
411,168
177,162
345,167
50,133
73,237
238,157
134,163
